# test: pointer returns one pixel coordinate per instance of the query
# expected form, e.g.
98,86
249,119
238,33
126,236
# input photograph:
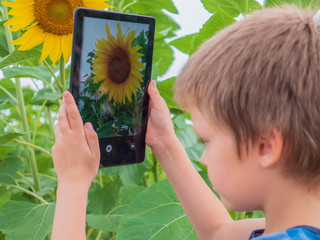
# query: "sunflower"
117,65
49,22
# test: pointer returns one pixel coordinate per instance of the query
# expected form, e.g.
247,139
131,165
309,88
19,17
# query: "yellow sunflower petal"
129,38
97,4
66,45
119,35
56,52
47,46
109,35
31,38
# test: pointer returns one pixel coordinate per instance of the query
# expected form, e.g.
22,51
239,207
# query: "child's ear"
269,149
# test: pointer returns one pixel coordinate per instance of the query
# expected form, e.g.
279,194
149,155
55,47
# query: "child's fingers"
92,140
74,117
63,118
57,130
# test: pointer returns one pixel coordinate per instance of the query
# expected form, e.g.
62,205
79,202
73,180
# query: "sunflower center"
119,66
56,16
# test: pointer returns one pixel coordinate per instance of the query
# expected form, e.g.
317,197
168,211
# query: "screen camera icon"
109,148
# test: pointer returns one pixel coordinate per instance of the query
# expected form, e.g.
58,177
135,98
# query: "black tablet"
110,67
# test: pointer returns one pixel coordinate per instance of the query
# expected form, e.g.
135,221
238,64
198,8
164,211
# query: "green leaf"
102,200
7,179
156,214
158,4
163,55
8,137
232,8
23,220
215,23
110,221
3,41
185,44
46,94
133,173
166,90
40,73
10,166
20,56
5,196
299,3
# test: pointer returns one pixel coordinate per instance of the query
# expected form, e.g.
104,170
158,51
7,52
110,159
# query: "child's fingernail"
154,84
89,126
65,94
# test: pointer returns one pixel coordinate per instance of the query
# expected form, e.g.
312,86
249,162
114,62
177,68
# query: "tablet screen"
112,64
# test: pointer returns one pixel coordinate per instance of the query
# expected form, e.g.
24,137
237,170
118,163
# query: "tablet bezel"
138,153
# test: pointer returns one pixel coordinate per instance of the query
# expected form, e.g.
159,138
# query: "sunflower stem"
239,215
35,147
36,123
6,28
22,110
62,75
128,5
51,124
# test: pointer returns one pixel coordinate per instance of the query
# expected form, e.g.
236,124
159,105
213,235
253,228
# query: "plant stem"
9,94
155,168
100,179
62,75
128,5
6,29
99,235
25,178
51,125
35,147
28,192
54,76
239,215
89,233
22,110
36,124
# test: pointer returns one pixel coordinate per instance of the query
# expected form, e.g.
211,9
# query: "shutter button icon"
109,148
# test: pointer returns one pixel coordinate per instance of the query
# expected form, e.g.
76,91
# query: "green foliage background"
127,202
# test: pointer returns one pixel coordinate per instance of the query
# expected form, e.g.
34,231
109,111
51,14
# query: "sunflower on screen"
117,65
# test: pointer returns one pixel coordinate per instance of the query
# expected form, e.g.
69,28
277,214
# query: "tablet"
110,68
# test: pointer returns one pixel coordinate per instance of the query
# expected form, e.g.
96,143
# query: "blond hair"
262,73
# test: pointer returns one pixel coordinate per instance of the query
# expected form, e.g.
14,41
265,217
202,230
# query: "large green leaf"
299,3
157,4
3,41
40,73
232,8
217,22
156,214
8,137
163,55
46,94
110,221
20,56
167,92
8,170
7,179
101,201
26,221
133,173
185,44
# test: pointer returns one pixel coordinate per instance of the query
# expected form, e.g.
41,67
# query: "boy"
253,92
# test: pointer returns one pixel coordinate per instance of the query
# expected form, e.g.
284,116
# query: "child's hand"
160,128
76,152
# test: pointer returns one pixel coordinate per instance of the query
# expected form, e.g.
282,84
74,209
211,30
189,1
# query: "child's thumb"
92,139
152,89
